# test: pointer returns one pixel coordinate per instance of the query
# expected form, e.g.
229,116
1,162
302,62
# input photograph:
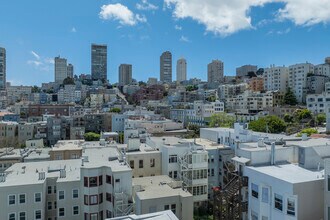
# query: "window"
131,164
85,199
60,195
108,179
92,181
37,214
100,198
75,193
278,202
108,197
75,210
175,174
173,159
291,207
264,218
85,181
254,190
49,191
22,216
12,216
12,199
140,163
55,205
265,195
117,180
108,214
152,162
173,208
54,189
37,197
254,215
94,216
49,205
166,207
100,180
328,182
22,198
93,200
61,212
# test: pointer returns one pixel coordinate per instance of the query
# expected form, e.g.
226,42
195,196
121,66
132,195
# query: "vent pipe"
272,154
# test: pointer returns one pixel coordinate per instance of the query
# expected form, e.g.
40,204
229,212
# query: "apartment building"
256,84
98,187
276,78
319,103
163,215
297,80
207,109
229,90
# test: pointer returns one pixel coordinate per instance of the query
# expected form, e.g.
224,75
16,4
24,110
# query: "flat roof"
163,215
290,173
155,187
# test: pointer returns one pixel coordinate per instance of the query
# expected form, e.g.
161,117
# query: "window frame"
35,197
10,199
73,210
73,194
59,212
35,214
60,196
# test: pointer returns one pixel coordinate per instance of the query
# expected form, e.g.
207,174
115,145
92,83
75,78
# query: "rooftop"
164,215
285,172
158,187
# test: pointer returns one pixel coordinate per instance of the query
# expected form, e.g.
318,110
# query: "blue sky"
238,32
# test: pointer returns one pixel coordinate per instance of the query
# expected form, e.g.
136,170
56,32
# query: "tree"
271,124
195,129
211,98
221,120
115,110
68,81
91,136
304,114
35,89
288,118
290,98
321,118
190,88
308,131
141,83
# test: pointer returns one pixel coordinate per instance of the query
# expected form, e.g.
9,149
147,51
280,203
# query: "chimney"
62,173
42,175
82,162
2,177
272,154
304,137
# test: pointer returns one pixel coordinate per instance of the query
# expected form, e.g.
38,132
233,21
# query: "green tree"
195,129
35,89
221,120
321,118
141,83
190,88
68,81
91,136
115,110
308,131
290,98
288,118
271,124
303,114
211,98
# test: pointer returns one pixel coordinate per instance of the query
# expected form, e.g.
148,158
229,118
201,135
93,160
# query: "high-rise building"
166,67
276,78
61,69
245,70
70,70
215,71
99,62
2,68
125,74
181,70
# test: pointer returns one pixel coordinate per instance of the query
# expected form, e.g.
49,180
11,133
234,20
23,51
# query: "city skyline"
154,27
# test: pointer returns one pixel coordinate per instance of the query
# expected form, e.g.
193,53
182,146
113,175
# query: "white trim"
73,210
35,212
59,194
9,200
59,212
73,194
19,200
35,197
12,213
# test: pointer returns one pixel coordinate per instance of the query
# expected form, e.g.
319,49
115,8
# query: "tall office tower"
2,68
166,67
70,70
125,74
99,62
215,71
61,69
181,70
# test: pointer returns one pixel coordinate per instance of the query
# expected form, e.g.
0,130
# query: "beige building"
256,84
215,71
66,150
160,193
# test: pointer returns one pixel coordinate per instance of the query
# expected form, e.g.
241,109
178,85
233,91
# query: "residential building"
152,81
181,70
207,109
163,215
319,103
18,93
99,62
61,69
243,71
316,83
215,71
228,90
298,79
125,74
161,193
166,67
276,78
2,68
256,84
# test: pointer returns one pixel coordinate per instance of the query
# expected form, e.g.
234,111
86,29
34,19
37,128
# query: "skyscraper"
61,69
125,74
181,70
166,67
99,62
70,70
2,68
215,71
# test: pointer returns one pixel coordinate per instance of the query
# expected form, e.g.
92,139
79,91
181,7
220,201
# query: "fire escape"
123,204
228,201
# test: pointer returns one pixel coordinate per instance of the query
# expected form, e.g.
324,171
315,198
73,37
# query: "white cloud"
145,5
225,17
35,55
73,30
185,39
177,27
121,13
286,31
306,12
